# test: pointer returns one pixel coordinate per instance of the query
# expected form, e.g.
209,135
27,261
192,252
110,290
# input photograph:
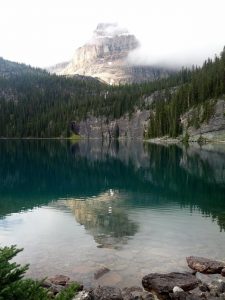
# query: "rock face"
213,129
163,284
124,127
105,57
205,265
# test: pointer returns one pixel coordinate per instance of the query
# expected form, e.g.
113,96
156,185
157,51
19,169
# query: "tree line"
34,103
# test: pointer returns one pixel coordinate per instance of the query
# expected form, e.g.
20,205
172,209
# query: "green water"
132,207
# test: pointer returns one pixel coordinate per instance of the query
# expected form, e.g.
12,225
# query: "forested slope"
34,103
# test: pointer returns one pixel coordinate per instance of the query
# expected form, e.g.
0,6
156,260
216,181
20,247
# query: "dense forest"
202,84
34,103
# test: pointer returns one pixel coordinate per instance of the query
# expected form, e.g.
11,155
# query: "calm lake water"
132,207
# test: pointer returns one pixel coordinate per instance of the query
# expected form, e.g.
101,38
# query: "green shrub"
13,286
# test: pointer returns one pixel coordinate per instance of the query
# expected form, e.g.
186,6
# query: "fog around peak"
174,33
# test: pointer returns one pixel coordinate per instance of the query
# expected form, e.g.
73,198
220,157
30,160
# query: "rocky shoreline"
205,281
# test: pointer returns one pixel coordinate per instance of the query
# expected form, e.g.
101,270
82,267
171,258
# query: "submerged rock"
59,279
205,265
102,271
164,283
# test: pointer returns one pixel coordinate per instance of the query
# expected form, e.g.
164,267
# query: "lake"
132,207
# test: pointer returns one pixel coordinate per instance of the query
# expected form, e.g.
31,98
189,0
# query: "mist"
171,33
180,33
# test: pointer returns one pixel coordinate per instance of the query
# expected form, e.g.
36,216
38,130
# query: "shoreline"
206,280
158,140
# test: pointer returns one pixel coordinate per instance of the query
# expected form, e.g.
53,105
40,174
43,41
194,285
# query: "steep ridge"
105,56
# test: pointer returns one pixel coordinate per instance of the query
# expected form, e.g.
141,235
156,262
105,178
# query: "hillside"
189,104
37,104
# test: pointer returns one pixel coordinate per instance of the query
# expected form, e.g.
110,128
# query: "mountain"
105,56
189,104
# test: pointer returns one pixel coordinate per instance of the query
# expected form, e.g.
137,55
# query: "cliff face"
105,57
126,127
212,129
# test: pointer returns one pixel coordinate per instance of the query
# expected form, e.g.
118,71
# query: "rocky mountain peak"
105,56
109,30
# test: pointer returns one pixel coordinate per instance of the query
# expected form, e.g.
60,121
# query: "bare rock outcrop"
125,127
105,57
205,265
163,284
212,129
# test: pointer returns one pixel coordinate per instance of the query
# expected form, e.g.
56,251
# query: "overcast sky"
45,32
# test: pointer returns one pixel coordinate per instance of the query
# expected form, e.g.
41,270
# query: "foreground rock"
56,284
209,278
136,293
163,284
59,280
107,293
205,265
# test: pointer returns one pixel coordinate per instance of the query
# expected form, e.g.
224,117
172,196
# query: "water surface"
132,207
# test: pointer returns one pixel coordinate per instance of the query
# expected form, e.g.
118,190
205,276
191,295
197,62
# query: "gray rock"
107,293
99,273
164,283
56,288
132,293
204,265
177,289
147,296
203,287
125,127
223,272
59,279
136,293
212,130
184,296
217,287
209,278
198,292
84,295
46,283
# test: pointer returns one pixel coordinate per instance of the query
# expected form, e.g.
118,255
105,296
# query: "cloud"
175,32
180,33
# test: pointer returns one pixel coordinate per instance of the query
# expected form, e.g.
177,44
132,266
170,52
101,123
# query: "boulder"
209,278
107,293
56,288
99,273
132,293
164,283
184,296
205,265
217,287
59,279
136,293
223,272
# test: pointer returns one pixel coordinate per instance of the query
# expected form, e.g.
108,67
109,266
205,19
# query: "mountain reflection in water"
101,203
